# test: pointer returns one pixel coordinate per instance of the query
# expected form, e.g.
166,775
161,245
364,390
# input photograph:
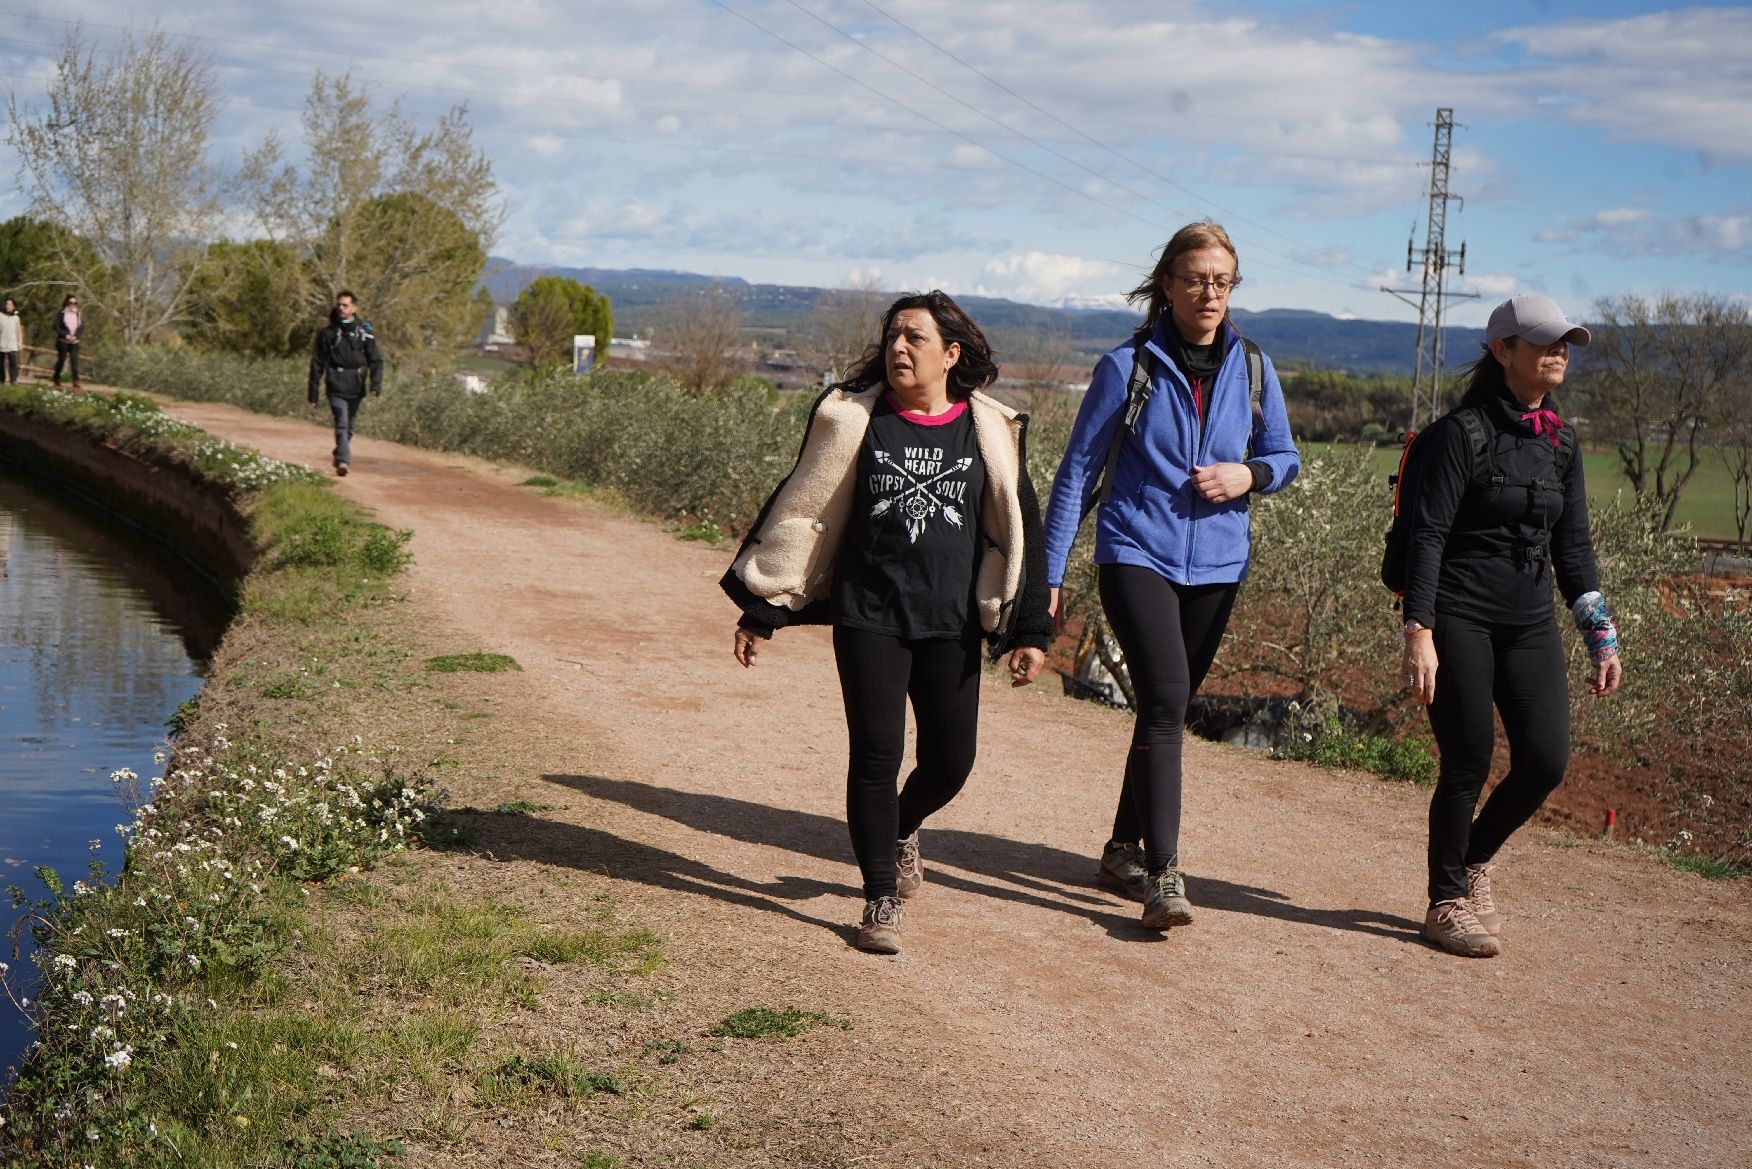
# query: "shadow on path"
973,862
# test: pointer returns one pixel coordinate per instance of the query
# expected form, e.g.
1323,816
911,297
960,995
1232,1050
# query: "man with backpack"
344,357
1493,497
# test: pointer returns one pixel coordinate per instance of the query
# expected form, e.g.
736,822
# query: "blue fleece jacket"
1153,517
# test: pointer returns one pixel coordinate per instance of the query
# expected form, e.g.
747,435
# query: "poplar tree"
116,160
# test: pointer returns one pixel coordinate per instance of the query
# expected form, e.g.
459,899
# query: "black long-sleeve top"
1482,554
344,356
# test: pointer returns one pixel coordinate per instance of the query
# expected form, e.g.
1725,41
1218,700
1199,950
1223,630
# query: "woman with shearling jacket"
1172,532
910,525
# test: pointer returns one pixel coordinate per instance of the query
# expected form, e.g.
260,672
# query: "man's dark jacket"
344,352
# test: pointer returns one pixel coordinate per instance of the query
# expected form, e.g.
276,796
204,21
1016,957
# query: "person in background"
909,524
67,334
344,357
11,341
1172,531
1481,636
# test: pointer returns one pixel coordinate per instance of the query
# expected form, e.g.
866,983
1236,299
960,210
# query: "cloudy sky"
1040,151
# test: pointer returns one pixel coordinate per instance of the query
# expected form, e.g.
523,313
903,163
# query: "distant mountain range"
1295,338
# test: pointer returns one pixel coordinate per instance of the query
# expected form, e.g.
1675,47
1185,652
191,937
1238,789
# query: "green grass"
354,1150
522,808
472,663
561,1072
1707,503
705,530
767,1023
1704,866
451,950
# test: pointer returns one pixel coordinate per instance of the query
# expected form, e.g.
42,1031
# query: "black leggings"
1169,634
66,355
1519,670
878,674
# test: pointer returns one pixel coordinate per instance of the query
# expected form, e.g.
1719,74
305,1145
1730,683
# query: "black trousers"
66,355
1517,671
1169,634
879,675
9,366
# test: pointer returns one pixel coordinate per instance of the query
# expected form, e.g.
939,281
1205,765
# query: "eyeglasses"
1221,285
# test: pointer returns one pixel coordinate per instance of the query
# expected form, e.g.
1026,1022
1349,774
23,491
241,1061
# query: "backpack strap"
1137,392
1478,440
1255,391
1567,446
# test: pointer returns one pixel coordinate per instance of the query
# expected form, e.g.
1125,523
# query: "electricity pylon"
1426,384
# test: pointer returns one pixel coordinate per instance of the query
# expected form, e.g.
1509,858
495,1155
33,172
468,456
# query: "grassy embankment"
272,979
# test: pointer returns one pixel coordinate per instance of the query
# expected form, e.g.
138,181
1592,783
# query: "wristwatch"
1413,626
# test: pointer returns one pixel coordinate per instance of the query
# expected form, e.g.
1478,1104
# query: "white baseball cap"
1535,317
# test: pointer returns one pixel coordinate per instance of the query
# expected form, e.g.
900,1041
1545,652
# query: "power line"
637,106
1098,175
1020,165
1080,133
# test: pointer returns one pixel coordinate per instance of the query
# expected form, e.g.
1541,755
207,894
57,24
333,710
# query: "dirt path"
1031,1021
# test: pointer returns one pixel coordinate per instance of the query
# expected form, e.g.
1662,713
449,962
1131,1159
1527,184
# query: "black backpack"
1137,392
1484,476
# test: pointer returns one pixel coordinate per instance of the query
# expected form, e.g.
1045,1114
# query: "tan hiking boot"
879,932
1478,900
1166,904
909,871
1122,871
1455,928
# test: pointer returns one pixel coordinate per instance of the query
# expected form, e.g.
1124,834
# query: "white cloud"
1631,231
1679,78
1492,286
1044,278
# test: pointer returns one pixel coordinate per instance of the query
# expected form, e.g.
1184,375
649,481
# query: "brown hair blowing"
1194,237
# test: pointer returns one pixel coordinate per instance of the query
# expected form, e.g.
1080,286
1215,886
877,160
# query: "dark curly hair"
973,370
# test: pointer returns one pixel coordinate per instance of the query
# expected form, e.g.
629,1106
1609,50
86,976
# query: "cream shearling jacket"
783,572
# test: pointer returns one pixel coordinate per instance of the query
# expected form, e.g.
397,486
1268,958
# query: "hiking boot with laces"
1478,900
909,871
1166,904
879,932
1455,928
1123,872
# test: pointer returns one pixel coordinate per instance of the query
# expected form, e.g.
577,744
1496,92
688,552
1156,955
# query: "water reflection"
101,636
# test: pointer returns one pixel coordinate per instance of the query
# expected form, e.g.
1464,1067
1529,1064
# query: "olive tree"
551,310
842,326
1733,443
116,160
699,336
247,299
1656,376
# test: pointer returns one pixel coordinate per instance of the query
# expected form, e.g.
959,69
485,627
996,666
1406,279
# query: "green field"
1707,503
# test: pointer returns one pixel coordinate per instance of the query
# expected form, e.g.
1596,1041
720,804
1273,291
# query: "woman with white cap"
1498,498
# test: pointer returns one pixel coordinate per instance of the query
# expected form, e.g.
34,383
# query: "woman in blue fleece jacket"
1172,534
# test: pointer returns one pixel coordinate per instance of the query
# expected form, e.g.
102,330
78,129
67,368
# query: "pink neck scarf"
1544,422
